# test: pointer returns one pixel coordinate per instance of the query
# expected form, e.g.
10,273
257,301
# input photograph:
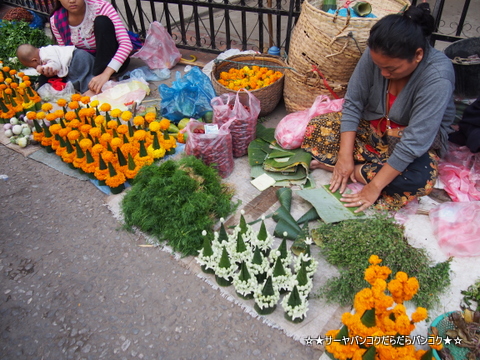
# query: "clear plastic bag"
291,129
456,225
159,50
244,111
212,149
49,94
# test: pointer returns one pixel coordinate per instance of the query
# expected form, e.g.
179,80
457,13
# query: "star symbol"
447,340
309,340
458,340
319,340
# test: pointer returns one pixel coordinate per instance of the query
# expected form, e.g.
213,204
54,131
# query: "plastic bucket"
467,68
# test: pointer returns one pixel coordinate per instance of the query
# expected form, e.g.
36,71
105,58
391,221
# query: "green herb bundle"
15,33
349,244
176,201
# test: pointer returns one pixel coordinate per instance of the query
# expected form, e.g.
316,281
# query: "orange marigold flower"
50,117
70,115
75,123
64,132
105,107
89,112
76,97
41,115
85,128
420,314
95,132
108,156
115,113
112,124
139,135
122,129
149,117
73,105
100,119
85,99
86,144
59,113
55,128
94,103
73,135
47,107
154,126
97,149
106,137
126,115
138,120
164,124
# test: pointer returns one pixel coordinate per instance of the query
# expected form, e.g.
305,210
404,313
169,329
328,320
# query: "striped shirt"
87,41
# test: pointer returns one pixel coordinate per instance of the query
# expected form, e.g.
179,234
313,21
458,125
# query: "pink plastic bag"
212,149
456,225
459,171
291,129
243,108
159,50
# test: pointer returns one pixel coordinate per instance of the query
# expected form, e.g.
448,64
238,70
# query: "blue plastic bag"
189,96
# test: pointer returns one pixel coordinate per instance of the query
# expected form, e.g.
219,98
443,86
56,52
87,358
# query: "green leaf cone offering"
125,139
222,234
121,158
143,150
46,130
268,289
310,215
257,257
224,259
244,273
427,356
278,269
131,129
342,335
156,144
60,140
368,318
131,162
109,147
262,234
80,153
299,245
62,123
38,127
294,299
3,107
285,222
90,158
102,165
207,247
241,247
283,248
370,354
111,170
243,224
69,146
302,277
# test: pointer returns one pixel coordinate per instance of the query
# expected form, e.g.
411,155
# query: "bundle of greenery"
176,201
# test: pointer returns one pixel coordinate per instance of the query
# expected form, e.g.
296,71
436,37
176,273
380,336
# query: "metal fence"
217,25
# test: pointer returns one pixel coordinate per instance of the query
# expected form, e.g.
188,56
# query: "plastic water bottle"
274,50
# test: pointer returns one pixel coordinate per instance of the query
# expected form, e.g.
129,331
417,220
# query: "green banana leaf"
265,134
284,196
280,154
300,157
310,215
257,152
286,227
328,206
299,244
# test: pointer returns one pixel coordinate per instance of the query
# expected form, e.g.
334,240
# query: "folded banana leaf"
310,215
284,196
300,158
299,244
328,206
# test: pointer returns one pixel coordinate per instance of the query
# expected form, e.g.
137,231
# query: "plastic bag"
459,172
159,50
122,94
49,94
244,111
456,225
291,129
145,73
213,149
189,96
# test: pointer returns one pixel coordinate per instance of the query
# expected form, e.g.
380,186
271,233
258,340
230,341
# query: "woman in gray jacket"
401,84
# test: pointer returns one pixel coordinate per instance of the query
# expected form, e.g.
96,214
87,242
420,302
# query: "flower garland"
107,144
250,78
380,316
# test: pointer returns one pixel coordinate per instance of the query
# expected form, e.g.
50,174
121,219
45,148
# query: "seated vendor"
402,83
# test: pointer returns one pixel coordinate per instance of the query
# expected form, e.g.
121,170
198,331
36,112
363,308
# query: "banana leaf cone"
302,276
278,269
310,215
125,139
283,248
294,300
262,236
222,233
225,264
38,127
143,150
427,356
299,244
80,152
121,158
207,251
243,223
244,276
368,318
267,290
131,129
285,223
258,260
284,196
241,247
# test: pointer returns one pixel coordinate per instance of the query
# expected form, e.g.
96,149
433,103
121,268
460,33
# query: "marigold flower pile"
107,144
16,94
250,78
381,316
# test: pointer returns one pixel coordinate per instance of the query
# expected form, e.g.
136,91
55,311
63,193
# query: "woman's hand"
364,199
46,71
97,82
342,172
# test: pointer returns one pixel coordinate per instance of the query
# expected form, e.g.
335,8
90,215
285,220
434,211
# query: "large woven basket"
270,95
332,43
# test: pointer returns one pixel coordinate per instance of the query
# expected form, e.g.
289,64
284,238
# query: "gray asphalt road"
74,285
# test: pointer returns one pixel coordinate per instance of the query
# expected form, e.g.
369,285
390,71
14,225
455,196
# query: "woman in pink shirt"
95,26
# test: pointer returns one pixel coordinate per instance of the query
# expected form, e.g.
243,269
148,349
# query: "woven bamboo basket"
270,95
301,90
333,44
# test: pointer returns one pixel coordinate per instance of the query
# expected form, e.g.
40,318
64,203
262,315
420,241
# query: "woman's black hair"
400,35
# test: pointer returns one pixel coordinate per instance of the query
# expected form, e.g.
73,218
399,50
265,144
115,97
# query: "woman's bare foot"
315,164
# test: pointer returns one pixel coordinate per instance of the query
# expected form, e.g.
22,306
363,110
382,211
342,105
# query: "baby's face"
33,63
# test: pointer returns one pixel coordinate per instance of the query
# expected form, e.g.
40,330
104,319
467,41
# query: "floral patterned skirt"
322,140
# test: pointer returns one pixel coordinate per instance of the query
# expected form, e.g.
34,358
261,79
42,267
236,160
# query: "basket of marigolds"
261,74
